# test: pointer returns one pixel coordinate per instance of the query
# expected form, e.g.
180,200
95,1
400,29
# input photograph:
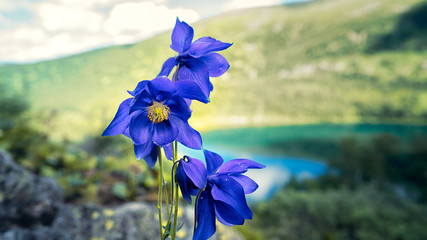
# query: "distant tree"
364,214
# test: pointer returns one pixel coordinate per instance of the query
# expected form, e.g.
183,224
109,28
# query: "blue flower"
196,62
222,190
156,115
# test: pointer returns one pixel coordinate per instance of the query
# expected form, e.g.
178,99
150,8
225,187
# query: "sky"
36,30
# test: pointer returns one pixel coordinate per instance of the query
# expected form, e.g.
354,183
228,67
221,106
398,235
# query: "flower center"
158,112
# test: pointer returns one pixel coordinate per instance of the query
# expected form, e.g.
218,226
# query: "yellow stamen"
158,112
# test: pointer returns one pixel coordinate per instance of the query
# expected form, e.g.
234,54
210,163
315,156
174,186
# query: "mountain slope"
289,65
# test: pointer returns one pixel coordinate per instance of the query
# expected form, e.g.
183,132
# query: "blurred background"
331,95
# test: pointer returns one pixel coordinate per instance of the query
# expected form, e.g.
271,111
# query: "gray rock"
26,199
15,234
32,208
130,221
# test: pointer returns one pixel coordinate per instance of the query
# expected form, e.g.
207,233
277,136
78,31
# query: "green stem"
172,199
159,204
175,216
166,198
172,191
175,187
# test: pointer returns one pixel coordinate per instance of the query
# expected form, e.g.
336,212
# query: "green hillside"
327,61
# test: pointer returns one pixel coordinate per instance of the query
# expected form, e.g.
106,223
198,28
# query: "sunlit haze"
34,30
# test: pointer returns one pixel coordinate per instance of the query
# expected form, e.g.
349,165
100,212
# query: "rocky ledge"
32,208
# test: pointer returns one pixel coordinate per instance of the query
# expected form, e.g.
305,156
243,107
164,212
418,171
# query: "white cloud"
7,5
143,19
20,42
30,44
84,4
237,4
58,29
28,35
89,4
62,27
56,17
3,20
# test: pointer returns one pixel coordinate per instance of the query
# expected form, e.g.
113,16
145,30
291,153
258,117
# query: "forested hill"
325,61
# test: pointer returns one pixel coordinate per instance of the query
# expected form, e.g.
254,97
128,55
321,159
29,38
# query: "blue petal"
227,215
167,67
141,101
191,90
184,182
217,64
126,132
164,133
151,158
229,191
141,85
140,129
120,121
206,45
147,151
187,186
239,166
161,88
168,151
182,36
197,71
249,185
187,135
205,217
213,161
196,171
178,107
188,101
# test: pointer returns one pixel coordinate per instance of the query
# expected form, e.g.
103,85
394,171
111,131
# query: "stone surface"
32,208
26,199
